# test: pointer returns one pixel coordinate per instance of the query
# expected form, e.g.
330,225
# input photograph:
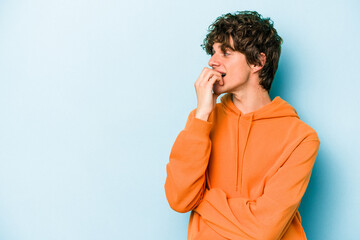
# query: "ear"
262,58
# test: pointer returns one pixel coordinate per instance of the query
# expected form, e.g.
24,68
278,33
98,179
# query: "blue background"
94,93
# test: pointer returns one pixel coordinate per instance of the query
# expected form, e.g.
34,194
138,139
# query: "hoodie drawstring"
278,108
243,151
237,152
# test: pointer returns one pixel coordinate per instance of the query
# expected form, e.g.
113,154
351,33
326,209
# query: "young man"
241,166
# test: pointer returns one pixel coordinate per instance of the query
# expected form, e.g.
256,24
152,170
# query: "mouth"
223,74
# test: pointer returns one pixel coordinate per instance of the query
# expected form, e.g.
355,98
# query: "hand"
206,99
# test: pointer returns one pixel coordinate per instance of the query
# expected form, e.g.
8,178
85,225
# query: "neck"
250,101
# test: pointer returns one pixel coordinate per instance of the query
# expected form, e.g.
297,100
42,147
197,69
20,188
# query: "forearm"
189,157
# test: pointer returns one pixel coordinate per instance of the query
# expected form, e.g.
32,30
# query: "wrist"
202,116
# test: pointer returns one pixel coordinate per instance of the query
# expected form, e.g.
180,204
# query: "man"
241,166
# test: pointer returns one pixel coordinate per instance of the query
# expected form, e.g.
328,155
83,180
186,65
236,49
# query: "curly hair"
252,34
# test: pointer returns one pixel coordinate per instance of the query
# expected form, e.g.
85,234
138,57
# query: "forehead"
224,45
217,45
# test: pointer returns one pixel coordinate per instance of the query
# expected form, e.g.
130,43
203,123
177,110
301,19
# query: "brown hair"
252,35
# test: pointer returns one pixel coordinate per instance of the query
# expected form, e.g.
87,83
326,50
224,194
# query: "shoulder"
304,130
300,127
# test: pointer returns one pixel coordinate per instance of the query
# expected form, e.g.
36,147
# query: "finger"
221,80
213,79
210,73
219,77
203,75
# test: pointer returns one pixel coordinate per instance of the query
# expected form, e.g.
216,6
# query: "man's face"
234,65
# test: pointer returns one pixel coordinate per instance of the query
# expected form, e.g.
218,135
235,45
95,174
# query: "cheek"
240,73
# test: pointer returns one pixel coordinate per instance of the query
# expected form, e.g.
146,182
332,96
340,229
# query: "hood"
277,108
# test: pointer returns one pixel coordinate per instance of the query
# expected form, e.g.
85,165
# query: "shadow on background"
317,216
314,210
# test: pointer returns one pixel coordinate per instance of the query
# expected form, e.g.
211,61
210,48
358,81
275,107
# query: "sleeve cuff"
199,127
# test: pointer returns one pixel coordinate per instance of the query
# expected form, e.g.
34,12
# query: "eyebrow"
223,47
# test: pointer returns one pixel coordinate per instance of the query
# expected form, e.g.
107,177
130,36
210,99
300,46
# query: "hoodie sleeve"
189,157
267,217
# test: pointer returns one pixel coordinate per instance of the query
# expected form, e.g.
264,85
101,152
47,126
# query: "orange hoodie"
242,175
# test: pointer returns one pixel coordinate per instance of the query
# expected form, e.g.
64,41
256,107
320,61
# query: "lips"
222,73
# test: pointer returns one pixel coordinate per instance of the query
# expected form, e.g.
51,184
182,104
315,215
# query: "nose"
214,61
